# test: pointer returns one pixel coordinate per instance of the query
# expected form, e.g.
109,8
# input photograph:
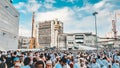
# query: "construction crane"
114,29
32,40
114,26
114,21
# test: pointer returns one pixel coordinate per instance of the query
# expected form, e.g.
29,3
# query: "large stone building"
48,32
9,25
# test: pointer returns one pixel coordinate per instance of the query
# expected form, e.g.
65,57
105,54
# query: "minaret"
32,40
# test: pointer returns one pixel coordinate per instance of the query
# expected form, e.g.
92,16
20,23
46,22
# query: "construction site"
49,34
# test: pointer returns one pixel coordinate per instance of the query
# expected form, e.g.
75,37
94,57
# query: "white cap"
17,64
49,62
76,60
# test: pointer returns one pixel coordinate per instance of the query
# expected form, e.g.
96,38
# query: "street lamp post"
94,14
119,47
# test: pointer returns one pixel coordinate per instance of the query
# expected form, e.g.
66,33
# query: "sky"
75,14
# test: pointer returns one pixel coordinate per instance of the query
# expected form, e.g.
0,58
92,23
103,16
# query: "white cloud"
50,1
62,14
85,2
19,5
23,11
88,9
68,17
99,5
32,1
75,19
33,5
48,5
70,1
23,31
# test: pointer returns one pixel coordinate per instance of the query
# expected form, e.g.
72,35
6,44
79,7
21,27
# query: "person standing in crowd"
116,64
58,63
82,63
39,64
105,62
48,62
16,63
71,62
2,62
26,63
68,59
41,57
99,61
64,63
94,64
76,64
8,60
61,59
14,55
34,61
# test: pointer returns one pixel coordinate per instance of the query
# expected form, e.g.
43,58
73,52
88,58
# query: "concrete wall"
9,25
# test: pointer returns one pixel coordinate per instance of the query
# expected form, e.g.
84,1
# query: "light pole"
94,14
119,47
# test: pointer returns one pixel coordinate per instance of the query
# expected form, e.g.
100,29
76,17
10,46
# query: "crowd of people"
60,59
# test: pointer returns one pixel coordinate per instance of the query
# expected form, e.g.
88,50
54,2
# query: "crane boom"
114,29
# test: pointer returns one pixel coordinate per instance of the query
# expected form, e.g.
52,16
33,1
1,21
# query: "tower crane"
114,21
114,29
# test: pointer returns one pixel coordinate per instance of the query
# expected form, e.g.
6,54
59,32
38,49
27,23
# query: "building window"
58,22
53,22
70,42
24,41
88,41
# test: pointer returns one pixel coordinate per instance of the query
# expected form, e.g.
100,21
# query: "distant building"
70,40
23,42
110,42
48,32
62,41
9,25
76,39
90,39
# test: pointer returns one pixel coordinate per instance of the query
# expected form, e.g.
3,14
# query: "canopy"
81,47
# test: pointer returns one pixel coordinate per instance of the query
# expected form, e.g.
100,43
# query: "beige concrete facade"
23,42
48,32
9,25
